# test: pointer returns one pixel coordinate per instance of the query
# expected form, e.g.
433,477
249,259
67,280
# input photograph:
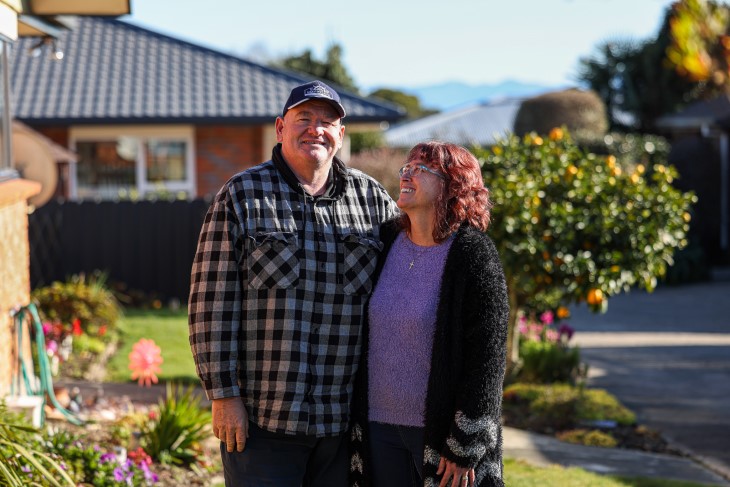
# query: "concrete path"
541,450
666,356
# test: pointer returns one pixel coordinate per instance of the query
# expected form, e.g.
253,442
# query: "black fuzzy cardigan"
464,396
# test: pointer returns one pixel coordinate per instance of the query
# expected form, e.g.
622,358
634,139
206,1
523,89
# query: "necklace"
415,252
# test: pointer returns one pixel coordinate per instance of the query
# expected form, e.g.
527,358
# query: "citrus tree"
572,226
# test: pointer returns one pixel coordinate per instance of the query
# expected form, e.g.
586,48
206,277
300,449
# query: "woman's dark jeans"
397,455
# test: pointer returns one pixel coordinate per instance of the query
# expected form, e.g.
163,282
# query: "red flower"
102,330
139,457
77,327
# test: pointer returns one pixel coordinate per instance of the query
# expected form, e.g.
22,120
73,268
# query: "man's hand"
230,422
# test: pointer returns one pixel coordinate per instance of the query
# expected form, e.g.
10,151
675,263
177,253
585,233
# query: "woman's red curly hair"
464,199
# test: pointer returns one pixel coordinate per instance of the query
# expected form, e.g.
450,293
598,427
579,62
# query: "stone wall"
14,270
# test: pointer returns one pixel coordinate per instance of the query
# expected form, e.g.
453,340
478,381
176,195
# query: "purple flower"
118,474
108,457
566,330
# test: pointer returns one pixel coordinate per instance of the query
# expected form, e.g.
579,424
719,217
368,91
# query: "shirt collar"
335,179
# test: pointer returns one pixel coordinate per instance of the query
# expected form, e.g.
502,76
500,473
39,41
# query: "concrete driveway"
666,356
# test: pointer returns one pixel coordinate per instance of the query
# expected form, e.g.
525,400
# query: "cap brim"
340,109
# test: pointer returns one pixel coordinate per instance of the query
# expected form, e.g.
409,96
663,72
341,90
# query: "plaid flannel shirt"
279,285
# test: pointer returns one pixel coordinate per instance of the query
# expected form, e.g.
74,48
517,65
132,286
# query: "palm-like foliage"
175,435
21,461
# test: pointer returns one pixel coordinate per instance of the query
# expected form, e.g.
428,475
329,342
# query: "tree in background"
572,226
636,83
700,42
410,103
332,69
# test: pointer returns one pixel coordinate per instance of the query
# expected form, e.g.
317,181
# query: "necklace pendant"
410,266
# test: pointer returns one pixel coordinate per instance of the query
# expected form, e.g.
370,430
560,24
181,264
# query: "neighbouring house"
701,153
149,114
474,125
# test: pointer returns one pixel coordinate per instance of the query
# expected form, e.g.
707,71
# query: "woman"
427,405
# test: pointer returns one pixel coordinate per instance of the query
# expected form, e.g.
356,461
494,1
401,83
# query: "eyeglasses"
416,169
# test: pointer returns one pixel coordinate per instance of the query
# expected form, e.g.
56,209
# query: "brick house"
150,114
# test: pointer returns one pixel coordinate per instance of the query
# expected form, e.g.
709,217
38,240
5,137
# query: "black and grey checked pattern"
278,289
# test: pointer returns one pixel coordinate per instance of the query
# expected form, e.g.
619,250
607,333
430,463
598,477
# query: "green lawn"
520,474
169,330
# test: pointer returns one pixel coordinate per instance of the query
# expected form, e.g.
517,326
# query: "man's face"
310,133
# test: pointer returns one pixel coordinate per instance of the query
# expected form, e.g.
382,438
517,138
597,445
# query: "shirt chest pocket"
360,259
272,260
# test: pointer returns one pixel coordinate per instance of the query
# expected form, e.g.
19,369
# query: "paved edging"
708,462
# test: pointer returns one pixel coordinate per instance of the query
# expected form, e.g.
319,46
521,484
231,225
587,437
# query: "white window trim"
185,133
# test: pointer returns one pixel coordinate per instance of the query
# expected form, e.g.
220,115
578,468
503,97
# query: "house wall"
224,150
14,271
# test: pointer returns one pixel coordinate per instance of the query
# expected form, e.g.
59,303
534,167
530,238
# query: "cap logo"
317,91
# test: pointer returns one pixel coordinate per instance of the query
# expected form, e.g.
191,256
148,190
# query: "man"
278,289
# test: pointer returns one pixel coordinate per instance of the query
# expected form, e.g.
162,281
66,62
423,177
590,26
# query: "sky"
397,43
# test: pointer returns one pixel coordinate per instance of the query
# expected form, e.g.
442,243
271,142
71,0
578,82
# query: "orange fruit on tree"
595,297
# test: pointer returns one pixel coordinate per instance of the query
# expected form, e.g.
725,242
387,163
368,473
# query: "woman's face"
420,186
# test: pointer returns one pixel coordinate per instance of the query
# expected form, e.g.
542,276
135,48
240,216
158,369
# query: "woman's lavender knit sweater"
402,314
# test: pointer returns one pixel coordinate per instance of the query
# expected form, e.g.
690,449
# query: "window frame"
142,134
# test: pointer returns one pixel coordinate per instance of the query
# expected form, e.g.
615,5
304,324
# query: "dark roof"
710,113
480,124
116,72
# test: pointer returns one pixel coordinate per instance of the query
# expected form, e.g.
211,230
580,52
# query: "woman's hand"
462,477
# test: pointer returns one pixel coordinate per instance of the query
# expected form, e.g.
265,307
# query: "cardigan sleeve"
475,434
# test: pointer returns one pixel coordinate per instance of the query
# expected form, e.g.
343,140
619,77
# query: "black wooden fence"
147,246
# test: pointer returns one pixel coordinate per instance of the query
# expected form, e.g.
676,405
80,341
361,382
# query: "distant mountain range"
445,96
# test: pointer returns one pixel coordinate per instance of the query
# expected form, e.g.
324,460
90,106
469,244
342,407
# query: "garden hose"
44,386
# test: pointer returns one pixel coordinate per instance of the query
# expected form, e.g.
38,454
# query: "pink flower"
51,347
536,329
522,328
547,317
47,327
144,362
552,335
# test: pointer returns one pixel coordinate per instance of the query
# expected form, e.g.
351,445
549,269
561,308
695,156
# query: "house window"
133,163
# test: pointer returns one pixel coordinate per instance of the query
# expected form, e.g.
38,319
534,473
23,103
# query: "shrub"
582,112
556,407
382,164
588,437
362,141
79,315
545,353
86,299
181,424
